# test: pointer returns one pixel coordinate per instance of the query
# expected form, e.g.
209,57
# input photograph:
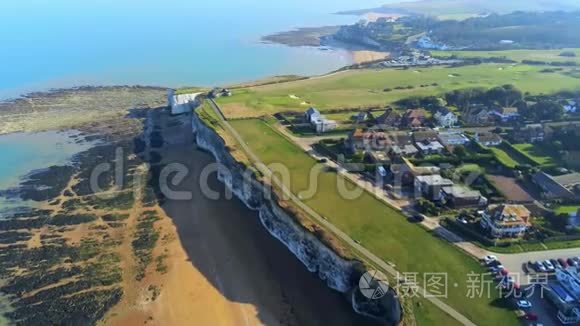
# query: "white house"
504,221
571,107
430,186
318,121
445,118
506,114
488,139
430,147
322,124
312,114
453,138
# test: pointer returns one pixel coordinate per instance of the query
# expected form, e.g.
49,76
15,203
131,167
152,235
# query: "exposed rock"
339,274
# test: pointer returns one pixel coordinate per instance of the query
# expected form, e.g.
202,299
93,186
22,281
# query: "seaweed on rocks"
14,236
46,184
60,220
84,308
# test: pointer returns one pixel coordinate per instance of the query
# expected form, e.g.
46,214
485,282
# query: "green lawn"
377,226
504,158
537,153
516,55
365,88
567,209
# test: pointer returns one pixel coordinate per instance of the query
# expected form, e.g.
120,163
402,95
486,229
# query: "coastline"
202,268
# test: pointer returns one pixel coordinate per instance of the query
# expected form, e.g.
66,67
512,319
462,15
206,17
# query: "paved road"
365,254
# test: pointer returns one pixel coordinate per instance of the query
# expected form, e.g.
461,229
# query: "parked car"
555,263
489,259
496,269
539,267
572,262
548,265
563,262
524,304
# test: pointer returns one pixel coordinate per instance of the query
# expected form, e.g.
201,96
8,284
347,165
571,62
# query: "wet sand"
232,271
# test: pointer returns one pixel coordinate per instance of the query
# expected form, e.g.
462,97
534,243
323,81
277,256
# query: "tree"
546,110
460,151
559,221
427,207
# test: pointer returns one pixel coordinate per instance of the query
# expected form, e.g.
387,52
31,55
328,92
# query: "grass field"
377,226
516,55
504,158
365,88
452,9
537,153
567,209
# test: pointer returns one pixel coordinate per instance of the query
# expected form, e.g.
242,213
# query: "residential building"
453,138
322,125
530,134
403,146
425,135
506,114
477,115
506,221
378,157
430,186
488,139
219,92
430,147
311,114
318,121
369,140
414,118
458,196
445,118
361,117
390,118
563,186
571,106
404,150
405,173
427,141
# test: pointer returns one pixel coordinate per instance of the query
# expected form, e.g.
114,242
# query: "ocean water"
63,43
21,153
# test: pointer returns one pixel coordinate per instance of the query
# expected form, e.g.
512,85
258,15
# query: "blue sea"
21,153
63,43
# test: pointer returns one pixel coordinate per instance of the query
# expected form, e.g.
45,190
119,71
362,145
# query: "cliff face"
182,103
338,273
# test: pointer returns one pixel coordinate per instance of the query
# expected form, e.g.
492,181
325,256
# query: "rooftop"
509,214
434,180
453,138
460,191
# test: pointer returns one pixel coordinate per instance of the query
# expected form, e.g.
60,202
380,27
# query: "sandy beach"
363,56
223,266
